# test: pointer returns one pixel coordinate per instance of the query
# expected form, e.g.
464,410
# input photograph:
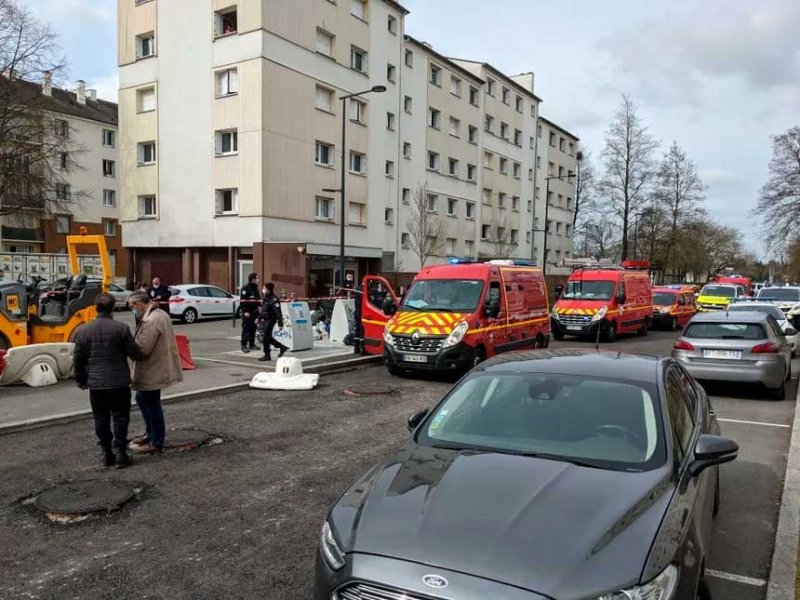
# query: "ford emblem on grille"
435,581
415,337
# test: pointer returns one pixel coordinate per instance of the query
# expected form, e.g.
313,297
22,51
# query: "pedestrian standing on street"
102,350
158,366
250,298
159,293
271,315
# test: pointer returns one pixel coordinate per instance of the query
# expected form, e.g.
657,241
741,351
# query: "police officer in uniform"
159,293
250,297
270,315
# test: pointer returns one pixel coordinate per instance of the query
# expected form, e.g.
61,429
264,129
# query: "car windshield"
776,312
593,422
447,295
724,291
781,294
725,331
588,290
664,299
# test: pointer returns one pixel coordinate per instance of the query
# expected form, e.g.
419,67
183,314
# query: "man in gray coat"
102,350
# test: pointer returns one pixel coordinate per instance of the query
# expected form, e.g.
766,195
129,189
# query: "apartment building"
557,164
86,186
231,142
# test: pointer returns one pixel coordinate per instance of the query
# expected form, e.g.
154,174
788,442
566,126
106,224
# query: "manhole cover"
369,390
84,497
180,439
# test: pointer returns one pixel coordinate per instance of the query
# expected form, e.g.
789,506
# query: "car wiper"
568,459
407,307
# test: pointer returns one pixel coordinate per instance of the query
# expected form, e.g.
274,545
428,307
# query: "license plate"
415,358
574,328
727,354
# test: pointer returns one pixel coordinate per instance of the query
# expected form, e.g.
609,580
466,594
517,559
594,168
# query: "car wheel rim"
190,316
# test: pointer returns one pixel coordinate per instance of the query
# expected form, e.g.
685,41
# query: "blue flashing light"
455,260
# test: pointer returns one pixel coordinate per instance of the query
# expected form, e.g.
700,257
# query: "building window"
455,86
145,46
435,76
109,168
452,167
227,82
473,134
517,170
528,237
110,227
487,196
109,198
530,174
63,160
561,144
358,60
61,128
515,237
560,172
488,157
551,168
569,203
433,201
434,118
227,201
390,168
323,154
473,95
451,246
568,230
455,127
488,123
501,199
356,213
391,25
388,216
358,163
501,234
406,195
518,138
520,104
503,165
433,161
146,153
552,140
538,162
359,9
390,72
146,100
405,240
571,149
358,111
324,99
109,138
225,22
560,201
558,228
452,207
469,248
531,143
471,170
324,209
226,142
390,120
506,96
486,232
490,85
408,104
470,210
514,202
406,150
147,207
62,224
530,205
504,130
533,110
324,42
409,58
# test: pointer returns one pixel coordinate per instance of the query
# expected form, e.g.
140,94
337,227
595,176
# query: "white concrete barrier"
343,319
288,375
24,364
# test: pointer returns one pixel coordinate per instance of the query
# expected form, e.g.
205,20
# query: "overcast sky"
717,76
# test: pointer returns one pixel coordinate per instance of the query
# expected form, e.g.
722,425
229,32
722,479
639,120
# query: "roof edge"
559,128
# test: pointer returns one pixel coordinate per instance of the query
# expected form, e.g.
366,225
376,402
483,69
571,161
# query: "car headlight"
555,315
664,311
660,588
458,333
333,555
388,338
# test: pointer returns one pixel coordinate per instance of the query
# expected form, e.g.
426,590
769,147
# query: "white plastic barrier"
38,364
288,375
297,333
343,319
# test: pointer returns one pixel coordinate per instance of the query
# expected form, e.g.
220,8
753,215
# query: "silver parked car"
769,308
744,347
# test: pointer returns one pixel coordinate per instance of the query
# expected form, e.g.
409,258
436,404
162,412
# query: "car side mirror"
417,418
622,299
558,289
492,309
711,450
790,331
389,308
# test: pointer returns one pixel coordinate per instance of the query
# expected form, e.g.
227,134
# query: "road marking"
736,578
782,426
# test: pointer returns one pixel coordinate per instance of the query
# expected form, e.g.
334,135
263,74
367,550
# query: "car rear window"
725,331
776,312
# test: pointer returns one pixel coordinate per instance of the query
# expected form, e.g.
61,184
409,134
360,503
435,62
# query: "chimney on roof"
81,93
91,94
47,83
525,80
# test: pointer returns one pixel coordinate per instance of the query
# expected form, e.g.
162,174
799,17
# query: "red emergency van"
745,282
624,292
673,306
456,315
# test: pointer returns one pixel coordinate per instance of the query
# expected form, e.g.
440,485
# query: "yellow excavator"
24,321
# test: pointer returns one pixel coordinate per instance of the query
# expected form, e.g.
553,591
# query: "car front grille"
712,306
368,591
575,319
406,343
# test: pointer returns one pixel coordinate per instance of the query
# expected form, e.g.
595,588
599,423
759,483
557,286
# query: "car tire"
778,393
703,592
643,330
394,370
557,335
189,316
673,324
478,357
611,333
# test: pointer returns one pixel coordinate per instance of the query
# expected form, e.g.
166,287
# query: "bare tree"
600,235
426,231
779,204
36,149
629,167
502,246
680,192
584,187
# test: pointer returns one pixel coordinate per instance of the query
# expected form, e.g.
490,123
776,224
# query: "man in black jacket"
160,293
250,297
270,315
102,350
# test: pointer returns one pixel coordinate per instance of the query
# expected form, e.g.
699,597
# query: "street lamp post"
378,89
547,213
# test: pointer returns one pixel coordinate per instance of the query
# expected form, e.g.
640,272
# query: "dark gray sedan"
565,475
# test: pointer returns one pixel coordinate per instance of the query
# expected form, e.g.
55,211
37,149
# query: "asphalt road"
241,519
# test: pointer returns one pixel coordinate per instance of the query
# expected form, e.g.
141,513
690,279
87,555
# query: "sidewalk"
22,405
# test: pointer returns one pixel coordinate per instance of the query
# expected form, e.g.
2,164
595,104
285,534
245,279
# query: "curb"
783,571
340,366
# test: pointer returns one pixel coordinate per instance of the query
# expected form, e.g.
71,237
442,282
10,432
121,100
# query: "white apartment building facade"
231,139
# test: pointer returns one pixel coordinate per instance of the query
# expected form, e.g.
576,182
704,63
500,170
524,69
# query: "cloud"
81,11
107,87
715,176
